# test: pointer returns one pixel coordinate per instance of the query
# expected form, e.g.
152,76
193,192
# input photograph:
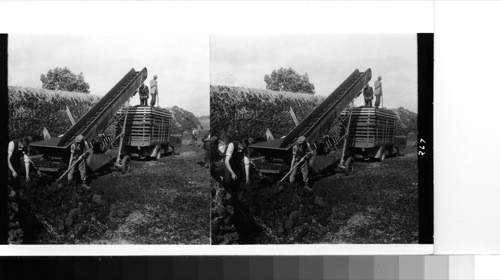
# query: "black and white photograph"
314,139
107,139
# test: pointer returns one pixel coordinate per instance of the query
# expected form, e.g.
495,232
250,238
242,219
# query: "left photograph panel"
108,139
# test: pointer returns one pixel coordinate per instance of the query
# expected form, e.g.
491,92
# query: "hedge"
246,112
32,109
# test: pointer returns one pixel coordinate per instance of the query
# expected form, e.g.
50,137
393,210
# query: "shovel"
37,171
296,165
72,165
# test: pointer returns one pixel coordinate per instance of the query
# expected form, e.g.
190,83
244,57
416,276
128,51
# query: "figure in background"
194,135
153,85
206,146
378,91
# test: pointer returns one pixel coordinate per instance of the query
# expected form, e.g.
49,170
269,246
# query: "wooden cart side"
371,127
147,126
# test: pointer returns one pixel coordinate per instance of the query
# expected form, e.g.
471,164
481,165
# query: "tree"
288,80
64,79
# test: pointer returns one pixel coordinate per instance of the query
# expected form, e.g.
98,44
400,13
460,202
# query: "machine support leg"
346,136
121,137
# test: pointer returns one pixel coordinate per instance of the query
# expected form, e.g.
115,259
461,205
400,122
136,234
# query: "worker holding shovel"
302,151
80,149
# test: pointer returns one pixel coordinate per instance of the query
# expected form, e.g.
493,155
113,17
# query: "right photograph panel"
314,139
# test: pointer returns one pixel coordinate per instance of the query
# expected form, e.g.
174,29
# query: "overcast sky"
181,63
328,59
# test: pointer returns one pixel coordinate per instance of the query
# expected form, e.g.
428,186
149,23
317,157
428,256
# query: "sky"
237,60
180,61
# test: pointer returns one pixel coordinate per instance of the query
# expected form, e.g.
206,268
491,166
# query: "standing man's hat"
155,76
301,139
79,138
379,77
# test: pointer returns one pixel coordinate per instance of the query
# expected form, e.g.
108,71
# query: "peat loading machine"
333,130
112,129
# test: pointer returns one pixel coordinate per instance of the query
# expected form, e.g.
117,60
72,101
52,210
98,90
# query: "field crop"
245,112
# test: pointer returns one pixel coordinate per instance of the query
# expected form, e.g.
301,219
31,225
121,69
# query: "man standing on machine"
378,91
153,84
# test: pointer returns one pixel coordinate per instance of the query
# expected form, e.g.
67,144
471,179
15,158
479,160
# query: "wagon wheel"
158,153
382,156
125,164
170,149
349,166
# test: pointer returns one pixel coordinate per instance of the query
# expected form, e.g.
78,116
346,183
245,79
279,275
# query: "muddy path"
378,203
157,202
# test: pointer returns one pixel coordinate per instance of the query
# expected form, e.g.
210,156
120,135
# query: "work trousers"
368,102
144,102
15,183
233,186
304,169
82,167
377,101
153,100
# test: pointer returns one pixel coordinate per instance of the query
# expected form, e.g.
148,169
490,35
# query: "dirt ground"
378,203
157,202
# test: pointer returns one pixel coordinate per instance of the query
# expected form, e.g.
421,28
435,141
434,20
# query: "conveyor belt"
97,119
322,119
319,121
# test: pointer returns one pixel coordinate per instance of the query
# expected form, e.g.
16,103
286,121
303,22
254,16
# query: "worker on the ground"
16,155
302,151
153,84
144,94
378,91
80,149
368,95
236,163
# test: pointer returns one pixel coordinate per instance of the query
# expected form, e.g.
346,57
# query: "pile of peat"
63,210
